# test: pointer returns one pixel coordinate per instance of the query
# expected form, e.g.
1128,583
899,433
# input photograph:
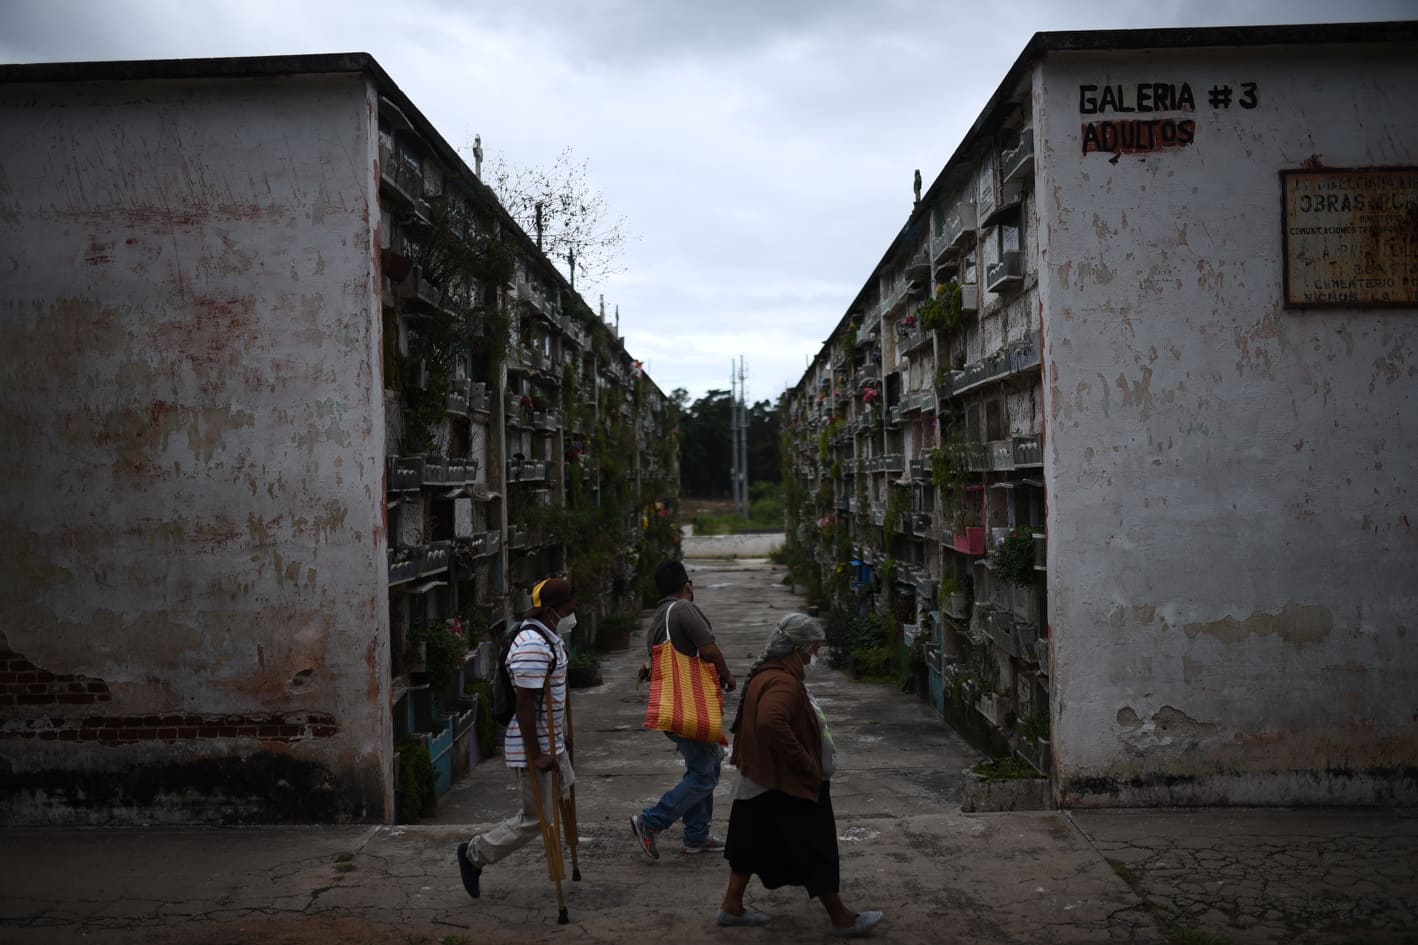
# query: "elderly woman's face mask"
812,653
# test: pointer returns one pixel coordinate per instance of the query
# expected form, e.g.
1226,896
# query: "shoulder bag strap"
667,622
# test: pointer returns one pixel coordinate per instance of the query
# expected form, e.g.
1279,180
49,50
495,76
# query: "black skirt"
786,841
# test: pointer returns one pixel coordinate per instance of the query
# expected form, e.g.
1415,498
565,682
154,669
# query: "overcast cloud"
761,152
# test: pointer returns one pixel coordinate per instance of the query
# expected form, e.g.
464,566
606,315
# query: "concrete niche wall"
192,619
1233,523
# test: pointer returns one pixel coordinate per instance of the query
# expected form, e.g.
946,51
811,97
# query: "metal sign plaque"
1351,237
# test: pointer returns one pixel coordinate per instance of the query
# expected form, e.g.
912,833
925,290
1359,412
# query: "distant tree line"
705,452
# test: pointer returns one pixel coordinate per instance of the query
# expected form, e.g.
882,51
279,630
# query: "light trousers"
504,838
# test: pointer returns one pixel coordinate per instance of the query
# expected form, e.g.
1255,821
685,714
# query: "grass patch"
1179,935
1007,769
344,857
1127,875
1172,933
765,513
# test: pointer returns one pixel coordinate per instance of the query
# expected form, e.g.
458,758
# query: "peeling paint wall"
1233,528
192,615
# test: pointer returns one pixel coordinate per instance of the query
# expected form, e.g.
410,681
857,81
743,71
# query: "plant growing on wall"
417,788
954,304
860,506
1014,560
897,505
444,652
949,469
484,724
426,396
931,313
1035,726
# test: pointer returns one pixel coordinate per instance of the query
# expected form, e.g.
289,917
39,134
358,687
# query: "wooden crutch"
551,832
568,804
551,840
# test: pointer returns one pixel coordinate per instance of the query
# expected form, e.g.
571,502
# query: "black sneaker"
471,874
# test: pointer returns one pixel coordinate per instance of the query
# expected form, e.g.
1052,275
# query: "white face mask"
567,623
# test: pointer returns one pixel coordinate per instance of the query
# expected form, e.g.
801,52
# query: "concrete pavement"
1209,876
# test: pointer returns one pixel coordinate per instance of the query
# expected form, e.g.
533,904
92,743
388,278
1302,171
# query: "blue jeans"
692,799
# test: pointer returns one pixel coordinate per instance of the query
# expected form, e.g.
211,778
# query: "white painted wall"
753,545
194,432
1232,513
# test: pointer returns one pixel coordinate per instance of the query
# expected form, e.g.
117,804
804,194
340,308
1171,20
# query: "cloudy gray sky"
761,151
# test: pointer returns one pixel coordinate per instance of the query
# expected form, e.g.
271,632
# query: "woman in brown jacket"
781,826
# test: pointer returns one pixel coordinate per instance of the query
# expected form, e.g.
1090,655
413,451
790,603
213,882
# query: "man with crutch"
536,663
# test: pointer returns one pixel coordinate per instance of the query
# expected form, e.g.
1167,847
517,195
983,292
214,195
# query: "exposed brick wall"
23,684
118,730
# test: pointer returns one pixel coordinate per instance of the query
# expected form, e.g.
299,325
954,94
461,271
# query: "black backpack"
504,693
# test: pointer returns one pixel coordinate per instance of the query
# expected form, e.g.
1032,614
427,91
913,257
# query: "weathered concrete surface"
196,578
749,545
940,875
1220,631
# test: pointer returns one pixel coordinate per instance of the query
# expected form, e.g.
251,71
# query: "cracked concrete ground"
1199,877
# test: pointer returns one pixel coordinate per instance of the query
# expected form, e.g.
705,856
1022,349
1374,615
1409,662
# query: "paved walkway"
1174,877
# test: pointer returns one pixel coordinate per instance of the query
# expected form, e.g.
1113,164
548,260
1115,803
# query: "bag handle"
667,622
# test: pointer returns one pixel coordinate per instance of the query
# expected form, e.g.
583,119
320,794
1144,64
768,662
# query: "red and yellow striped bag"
685,698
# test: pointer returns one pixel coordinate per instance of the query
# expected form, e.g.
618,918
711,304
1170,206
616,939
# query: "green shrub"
876,664
865,646
444,652
765,509
486,727
417,789
1035,726
1014,561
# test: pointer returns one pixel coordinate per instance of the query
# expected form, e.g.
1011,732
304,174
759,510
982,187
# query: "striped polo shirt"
527,664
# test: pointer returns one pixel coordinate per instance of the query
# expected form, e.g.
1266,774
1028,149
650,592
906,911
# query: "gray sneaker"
710,844
645,837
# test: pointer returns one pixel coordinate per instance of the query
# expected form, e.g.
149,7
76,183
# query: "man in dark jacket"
692,799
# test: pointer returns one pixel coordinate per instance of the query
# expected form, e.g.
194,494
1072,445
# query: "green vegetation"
613,629
444,652
864,646
486,728
1014,561
1035,726
417,789
1179,935
706,450
766,508
1005,769
943,310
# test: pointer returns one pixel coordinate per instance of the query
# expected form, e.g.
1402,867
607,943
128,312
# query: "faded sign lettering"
1351,237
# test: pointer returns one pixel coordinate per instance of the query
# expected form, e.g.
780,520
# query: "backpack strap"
546,635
